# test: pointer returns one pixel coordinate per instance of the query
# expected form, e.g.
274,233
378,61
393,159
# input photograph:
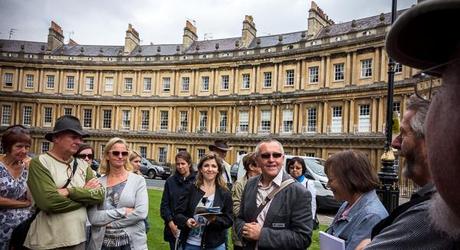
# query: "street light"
389,190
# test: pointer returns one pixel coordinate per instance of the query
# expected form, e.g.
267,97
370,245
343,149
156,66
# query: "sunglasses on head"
83,156
268,155
118,153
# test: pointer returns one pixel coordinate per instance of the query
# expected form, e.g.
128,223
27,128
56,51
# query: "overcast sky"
104,22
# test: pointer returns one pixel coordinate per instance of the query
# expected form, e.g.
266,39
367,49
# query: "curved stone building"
318,91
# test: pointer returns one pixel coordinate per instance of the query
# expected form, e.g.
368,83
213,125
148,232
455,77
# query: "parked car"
234,171
150,170
167,169
315,171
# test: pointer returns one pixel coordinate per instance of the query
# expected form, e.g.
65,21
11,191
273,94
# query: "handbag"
20,232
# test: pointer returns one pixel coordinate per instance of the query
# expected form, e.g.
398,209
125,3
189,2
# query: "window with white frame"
183,120
200,152
147,84
145,119
87,118
126,119
164,119
29,81
108,84
107,118
290,77
366,68
185,84
70,82
246,81
6,115
265,120
205,83
68,111
243,121
313,74
364,122
288,121
128,84
310,154
224,83
223,121
162,153
203,120
8,79
45,147
397,107
89,83
50,82
143,151
27,115
311,119
166,84
336,123
267,79
48,116
339,70
398,68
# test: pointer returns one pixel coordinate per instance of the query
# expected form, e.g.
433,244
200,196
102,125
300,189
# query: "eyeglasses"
83,156
430,74
268,155
118,153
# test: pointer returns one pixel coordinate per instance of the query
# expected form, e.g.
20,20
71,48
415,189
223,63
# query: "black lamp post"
389,190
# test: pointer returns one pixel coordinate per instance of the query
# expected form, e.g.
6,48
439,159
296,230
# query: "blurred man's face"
270,159
68,142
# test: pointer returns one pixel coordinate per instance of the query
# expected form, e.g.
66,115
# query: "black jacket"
174,187
214,233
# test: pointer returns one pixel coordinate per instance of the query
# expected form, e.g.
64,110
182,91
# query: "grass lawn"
155,235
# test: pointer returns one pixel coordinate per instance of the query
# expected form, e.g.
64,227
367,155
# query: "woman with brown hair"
14,198
352,179
118,223
210,194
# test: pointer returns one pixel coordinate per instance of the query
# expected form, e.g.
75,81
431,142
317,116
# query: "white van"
315,171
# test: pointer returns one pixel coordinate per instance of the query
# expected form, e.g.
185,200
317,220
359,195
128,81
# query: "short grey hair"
269,140
420,107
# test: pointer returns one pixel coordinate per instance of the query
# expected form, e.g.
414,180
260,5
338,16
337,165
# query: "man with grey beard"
422,38
408,226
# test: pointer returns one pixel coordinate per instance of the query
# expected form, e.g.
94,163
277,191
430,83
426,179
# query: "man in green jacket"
62,186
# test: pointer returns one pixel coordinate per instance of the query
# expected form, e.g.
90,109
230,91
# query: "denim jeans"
193,247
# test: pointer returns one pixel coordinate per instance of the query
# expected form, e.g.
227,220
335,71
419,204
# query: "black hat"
426,35
66,123
219,144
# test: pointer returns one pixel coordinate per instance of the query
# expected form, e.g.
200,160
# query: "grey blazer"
288,224
134,195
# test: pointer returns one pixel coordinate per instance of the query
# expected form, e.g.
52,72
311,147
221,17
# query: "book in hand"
207,211
330,242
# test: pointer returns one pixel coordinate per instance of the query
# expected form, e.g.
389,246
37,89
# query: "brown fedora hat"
66,123
219,144
425,35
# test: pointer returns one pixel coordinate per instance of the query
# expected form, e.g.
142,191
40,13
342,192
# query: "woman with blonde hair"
211,195
135,159
118,223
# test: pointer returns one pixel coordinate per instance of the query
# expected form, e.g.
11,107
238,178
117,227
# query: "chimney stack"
55,37
249,31
131,40
317,20
189,35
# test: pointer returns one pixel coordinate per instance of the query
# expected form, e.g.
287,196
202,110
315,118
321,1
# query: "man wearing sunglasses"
275,211
62,186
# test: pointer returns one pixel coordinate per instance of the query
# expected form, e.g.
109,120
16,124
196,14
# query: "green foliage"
155,235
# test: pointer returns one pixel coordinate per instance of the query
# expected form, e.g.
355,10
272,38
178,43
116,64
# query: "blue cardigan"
363,216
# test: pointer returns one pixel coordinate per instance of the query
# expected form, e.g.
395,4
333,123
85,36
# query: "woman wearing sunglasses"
209,194
118,223
86,153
